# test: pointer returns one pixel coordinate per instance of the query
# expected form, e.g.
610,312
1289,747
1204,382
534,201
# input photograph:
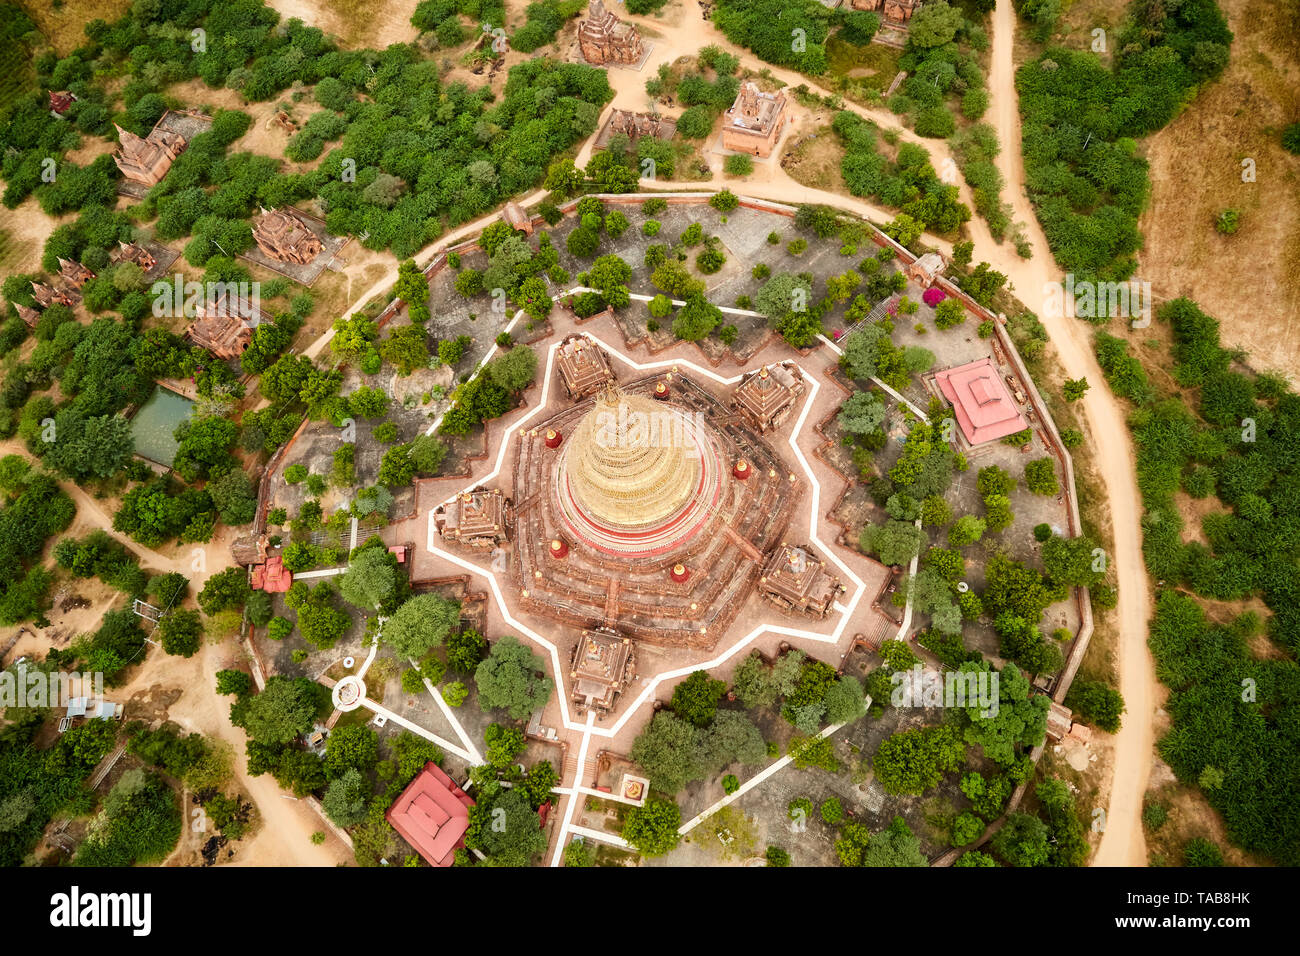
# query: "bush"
1227,221
738,165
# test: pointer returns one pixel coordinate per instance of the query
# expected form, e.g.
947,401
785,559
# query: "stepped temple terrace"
647,507
584,366
477,520
603,663
796,580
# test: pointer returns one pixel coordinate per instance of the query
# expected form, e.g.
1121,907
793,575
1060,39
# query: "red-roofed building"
432,814
273,576
985,409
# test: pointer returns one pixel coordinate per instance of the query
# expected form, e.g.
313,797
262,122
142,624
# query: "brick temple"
477,520
602,665
768,395
146,160
284,236
583,366
754,122
896,13
604,39
795,579
647,511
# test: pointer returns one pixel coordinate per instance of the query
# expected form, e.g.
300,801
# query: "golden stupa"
632,462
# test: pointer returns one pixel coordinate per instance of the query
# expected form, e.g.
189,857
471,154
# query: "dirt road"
1122,842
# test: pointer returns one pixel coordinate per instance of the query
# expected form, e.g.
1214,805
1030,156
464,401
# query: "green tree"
652,828
696,698
283,710
420,624
511,679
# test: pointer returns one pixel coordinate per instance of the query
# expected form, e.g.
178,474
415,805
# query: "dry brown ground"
1196,173
64,28
26,229
358,23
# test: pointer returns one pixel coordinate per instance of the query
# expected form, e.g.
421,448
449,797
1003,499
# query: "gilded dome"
633,462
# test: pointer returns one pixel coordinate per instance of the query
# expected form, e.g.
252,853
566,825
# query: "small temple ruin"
147,160
753,124
478,520
583,366
47,296
74,272
895,13
605,39
134,253
767,396
284,236
634,126
603,664
796,580
222,329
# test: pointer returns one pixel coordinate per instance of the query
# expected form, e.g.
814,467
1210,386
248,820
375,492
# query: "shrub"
724,201
1040,477
738,165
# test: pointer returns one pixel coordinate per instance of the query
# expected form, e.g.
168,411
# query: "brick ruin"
896,13
146,160
753,124
603,38
767,395
285,237
795,579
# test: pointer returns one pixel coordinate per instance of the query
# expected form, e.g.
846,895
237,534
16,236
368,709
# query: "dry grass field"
1250,280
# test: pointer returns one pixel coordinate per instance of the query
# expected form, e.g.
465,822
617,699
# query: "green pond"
154,425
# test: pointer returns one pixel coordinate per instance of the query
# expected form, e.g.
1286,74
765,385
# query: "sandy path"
1122,843
284,837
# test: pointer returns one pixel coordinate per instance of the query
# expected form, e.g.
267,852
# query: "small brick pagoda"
603,664
896,13
223,329
583,366
754,122
75,273
604,39
146,161
134,253
796,580
768,395
478,520
284,236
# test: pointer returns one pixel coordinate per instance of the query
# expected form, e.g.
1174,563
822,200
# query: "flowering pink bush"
933,296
